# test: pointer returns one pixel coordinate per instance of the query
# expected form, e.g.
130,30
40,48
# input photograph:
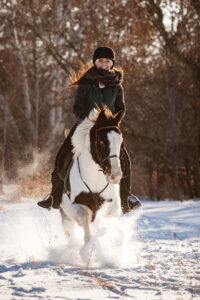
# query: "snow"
149,254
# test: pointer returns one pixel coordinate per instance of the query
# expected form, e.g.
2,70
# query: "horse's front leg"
86,227
84,217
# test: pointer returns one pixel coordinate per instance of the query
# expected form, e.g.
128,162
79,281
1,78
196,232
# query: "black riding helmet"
104,52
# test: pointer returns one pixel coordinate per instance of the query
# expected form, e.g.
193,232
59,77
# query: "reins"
99,193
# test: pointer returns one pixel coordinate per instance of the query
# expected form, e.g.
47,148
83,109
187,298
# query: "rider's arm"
119,102
80,102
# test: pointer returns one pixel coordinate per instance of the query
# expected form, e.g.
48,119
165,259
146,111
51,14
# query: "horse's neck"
90,170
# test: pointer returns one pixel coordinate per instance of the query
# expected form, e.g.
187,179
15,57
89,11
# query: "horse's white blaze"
115,140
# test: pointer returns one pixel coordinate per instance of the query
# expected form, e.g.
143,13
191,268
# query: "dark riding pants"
125,183
63,158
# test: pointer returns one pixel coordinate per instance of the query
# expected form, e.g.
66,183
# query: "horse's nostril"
112,176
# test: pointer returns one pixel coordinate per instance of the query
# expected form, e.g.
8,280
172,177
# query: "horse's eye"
102,143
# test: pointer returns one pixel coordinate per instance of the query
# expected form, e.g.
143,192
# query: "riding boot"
128,202
62,161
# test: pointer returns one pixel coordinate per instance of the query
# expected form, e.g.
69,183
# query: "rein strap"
86,183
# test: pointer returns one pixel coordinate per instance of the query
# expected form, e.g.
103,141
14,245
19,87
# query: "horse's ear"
102,116
118,117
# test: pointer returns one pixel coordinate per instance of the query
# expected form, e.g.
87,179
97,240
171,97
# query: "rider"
100,84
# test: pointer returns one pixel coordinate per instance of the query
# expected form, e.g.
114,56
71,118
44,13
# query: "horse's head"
105,144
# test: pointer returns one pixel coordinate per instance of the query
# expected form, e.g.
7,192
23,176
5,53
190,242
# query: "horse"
96,172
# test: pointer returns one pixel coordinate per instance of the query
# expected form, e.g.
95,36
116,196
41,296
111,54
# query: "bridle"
101,161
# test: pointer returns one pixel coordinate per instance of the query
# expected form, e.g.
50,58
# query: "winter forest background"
158,45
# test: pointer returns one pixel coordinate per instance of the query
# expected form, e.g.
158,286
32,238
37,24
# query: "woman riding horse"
100,85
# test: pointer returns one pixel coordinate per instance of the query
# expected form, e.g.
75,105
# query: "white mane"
80,134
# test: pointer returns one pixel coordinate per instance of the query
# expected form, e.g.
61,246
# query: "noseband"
101,161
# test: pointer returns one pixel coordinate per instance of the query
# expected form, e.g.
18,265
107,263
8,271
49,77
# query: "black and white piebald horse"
96,172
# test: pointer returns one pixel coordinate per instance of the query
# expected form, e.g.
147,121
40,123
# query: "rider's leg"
63,158
55,197
127,201
64,154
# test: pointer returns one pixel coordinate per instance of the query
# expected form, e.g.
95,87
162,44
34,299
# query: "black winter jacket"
80,101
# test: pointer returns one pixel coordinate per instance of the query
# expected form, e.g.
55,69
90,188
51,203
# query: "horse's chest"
92,200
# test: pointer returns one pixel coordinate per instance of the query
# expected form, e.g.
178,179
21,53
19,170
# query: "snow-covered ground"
151,254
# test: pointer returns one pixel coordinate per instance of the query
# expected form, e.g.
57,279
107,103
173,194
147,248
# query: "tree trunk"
26,93
8,116
37,94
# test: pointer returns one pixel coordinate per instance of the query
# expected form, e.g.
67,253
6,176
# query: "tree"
45,41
